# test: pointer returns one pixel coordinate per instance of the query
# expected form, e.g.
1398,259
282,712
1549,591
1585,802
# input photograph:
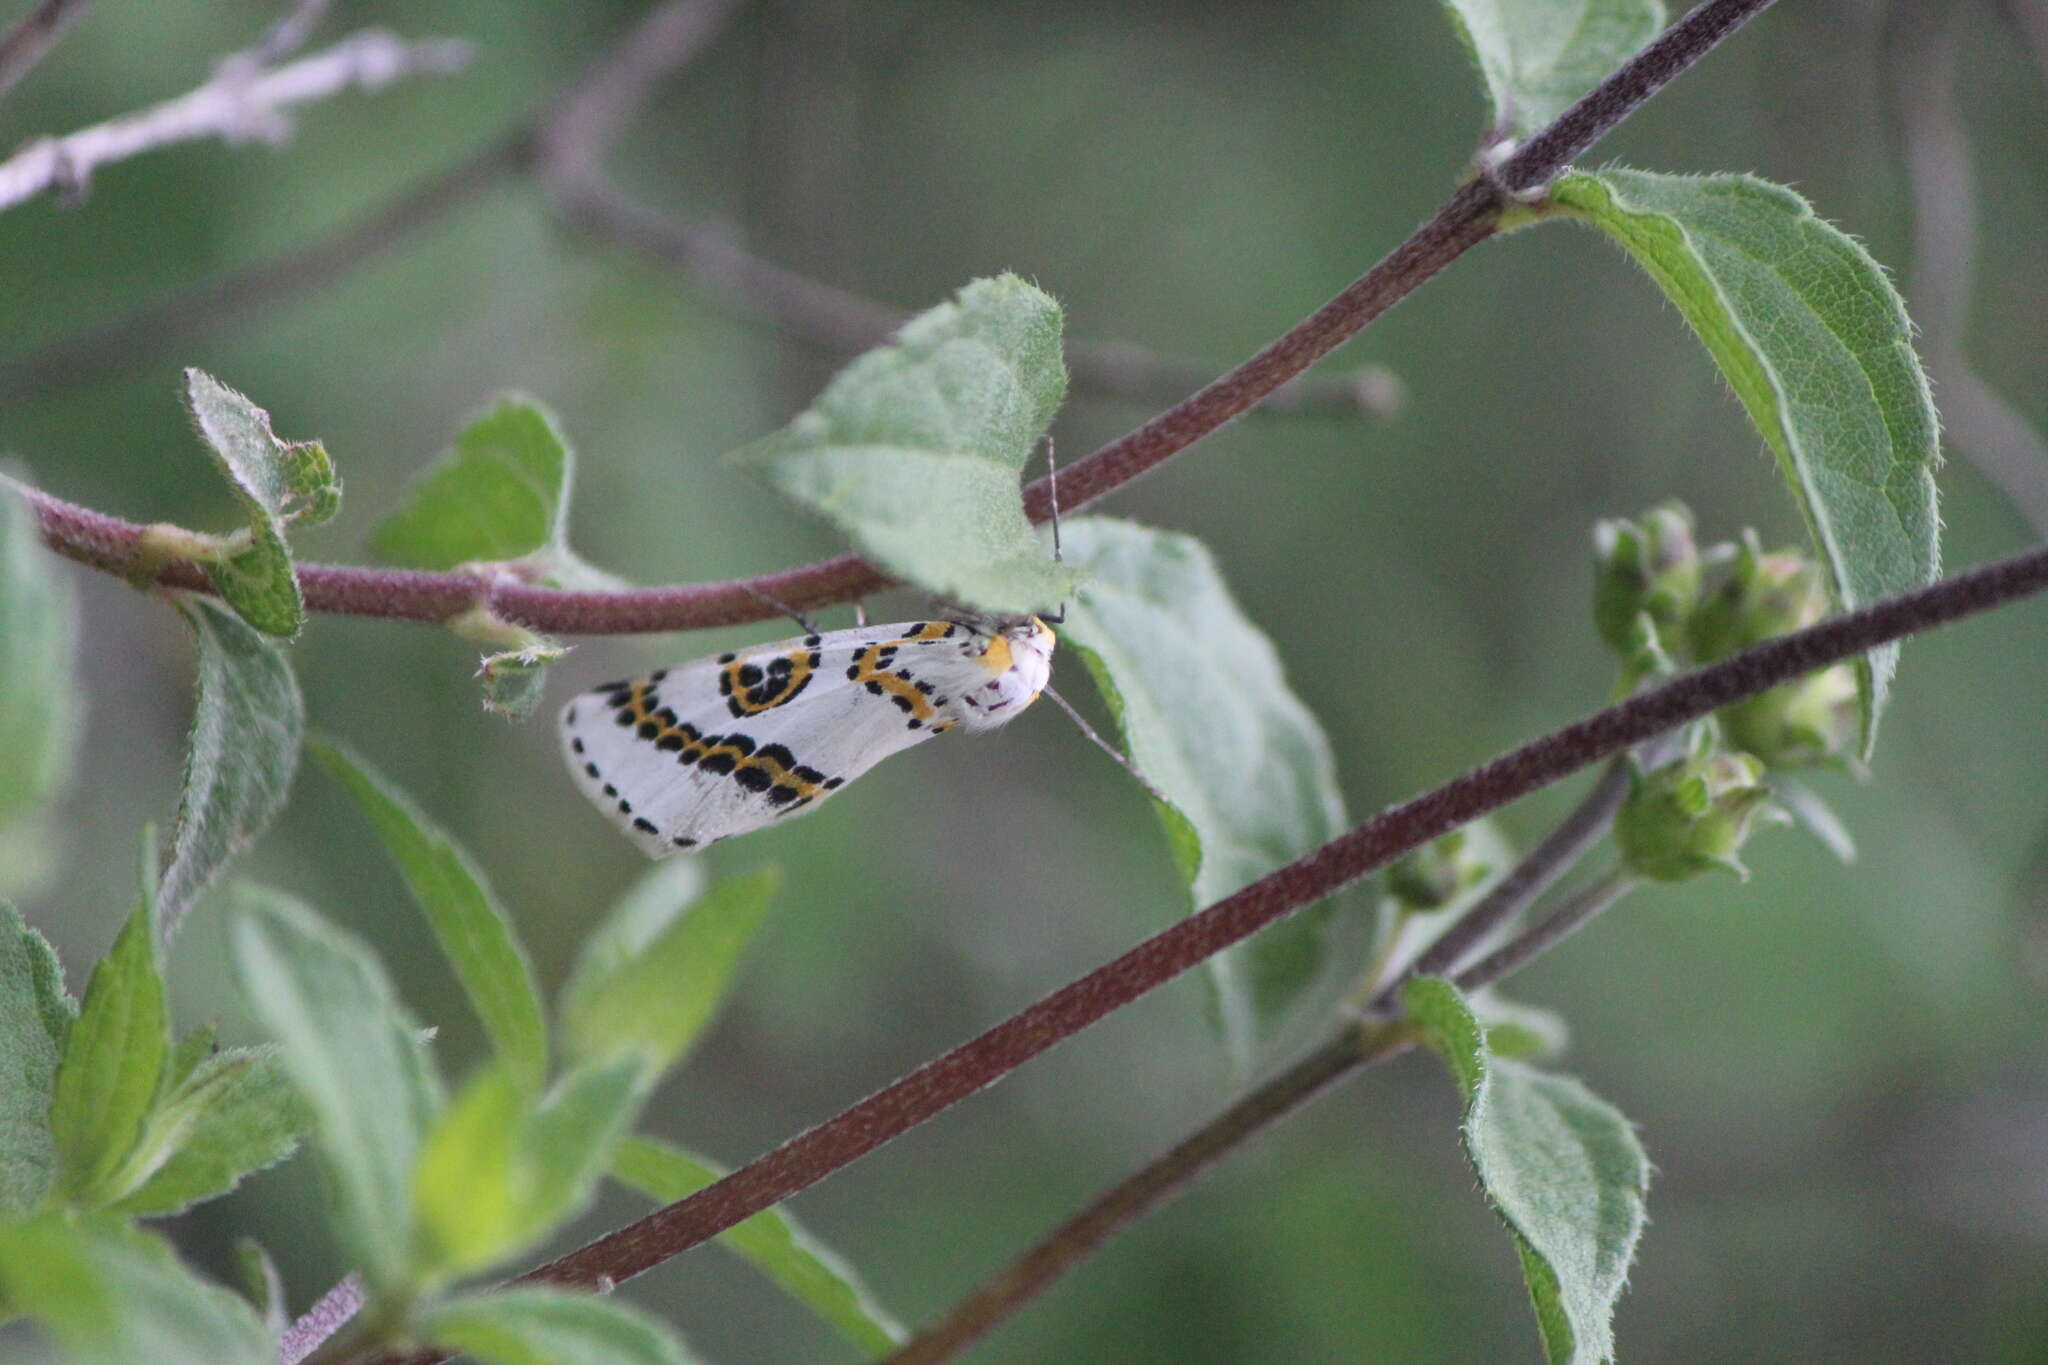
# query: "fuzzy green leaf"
35,1015
278,483
499,496
109,1294
114,1059
235,1115
1524,1033
471,927
1538,56
660,965
1561,1166
543,1326
777,1245
499,1172
247,722
357,1060
915,449
515,678
1815,342
1208,717
39,720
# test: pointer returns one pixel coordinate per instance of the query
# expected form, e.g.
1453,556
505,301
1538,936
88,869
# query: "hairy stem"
939,1084
1000,1296
1350,1050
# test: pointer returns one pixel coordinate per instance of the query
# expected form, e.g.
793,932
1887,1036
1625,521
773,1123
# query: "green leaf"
244,747
237,1114
109,1294
1525,1033
499,1172
1814,815
777,1245
914,450
468,922
262,1286
114,1059
356,1059
278,483
1538,56
1208,717
515,678
39,711
660,965
35,1015
1815,342
194,1048
542,1326
500,496
1561,1166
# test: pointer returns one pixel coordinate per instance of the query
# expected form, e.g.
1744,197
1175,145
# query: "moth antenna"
810,627
1052,489
1108,748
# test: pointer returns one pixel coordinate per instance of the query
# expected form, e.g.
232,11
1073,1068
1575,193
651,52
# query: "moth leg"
809,627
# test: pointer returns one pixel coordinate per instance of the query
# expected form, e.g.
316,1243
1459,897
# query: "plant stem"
1579,910
1350,1050
1538,872
937,1085
1002,1294
1468,218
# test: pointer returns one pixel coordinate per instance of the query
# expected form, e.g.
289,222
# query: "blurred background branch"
239,104
564,144
33,35
1921,43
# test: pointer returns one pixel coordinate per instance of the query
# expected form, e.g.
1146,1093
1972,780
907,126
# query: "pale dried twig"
236,106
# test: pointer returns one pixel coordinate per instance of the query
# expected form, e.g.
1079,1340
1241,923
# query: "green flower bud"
1803,722
1800,724
1435,875
1765,595
1691,816
1649,568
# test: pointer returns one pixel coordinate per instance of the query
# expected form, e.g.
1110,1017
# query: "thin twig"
1580,909
936,1086
1559,852
1345,1053
23,47
581,125
1920,47
1000,1296
210,308
234,106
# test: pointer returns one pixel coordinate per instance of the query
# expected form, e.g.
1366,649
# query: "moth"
686,756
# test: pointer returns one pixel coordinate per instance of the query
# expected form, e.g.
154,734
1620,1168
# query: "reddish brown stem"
937,1085
1001,1295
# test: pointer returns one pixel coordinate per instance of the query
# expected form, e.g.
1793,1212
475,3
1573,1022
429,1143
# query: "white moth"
686,756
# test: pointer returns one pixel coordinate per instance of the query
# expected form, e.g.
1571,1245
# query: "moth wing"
720,746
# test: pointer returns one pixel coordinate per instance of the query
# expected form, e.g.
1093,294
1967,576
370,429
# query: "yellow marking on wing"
996,658
692,751
870,671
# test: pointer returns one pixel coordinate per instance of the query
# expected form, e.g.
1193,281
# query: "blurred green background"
1838,1071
